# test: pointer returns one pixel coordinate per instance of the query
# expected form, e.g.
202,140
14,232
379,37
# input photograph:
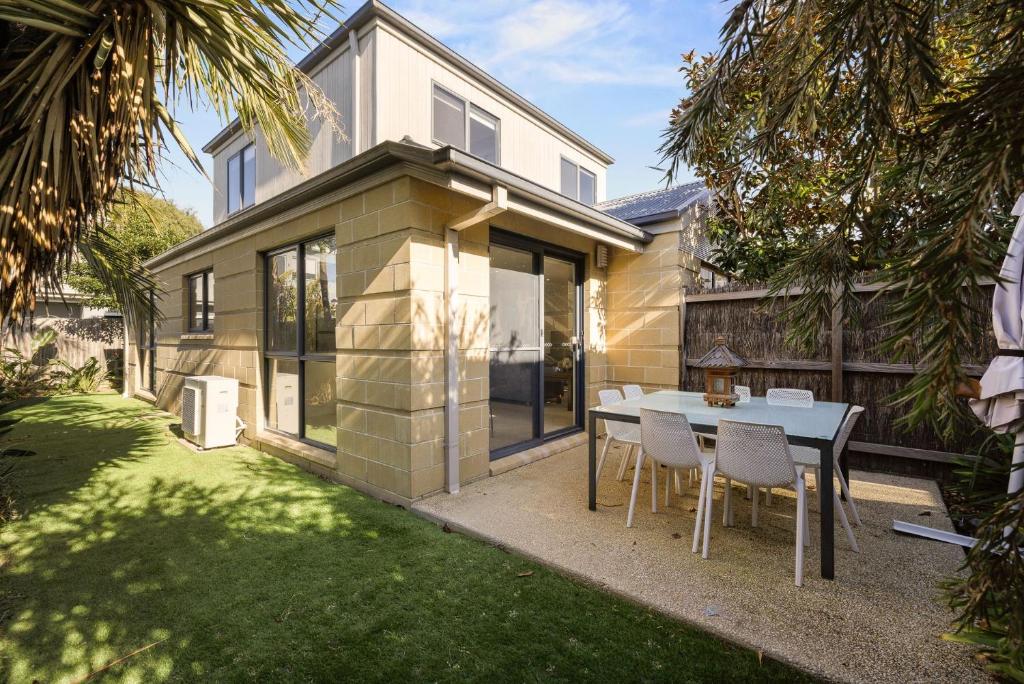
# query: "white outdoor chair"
758,455
811,458
784,396
633,391
744,398
666,439
626,435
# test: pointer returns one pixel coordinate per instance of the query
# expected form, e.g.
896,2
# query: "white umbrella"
1001,402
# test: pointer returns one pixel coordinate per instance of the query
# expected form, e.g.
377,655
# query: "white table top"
821,421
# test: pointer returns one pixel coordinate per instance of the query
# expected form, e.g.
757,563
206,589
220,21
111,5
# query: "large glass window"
536,362
300,345
242,179
456,121
321,295
282,301
201,302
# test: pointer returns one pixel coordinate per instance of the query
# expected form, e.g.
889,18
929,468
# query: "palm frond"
90,91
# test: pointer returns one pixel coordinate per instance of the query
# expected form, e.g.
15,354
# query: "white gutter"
497,205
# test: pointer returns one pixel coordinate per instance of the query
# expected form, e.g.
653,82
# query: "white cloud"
561,41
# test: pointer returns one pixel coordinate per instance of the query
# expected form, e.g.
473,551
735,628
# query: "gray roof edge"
389,153
464,161
375,8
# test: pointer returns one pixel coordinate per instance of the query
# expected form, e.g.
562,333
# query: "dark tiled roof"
658,205
654,202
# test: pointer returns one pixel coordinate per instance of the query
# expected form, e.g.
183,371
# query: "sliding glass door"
536,351
301,308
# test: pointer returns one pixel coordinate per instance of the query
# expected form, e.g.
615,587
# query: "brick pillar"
643,315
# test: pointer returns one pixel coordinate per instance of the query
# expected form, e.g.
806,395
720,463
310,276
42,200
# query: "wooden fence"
845,365
77,340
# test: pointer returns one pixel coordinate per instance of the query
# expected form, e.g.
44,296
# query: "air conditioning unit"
209,404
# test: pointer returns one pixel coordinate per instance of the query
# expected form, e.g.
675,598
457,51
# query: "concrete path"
879,621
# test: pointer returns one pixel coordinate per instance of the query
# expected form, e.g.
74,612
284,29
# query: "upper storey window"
456,122
578,183
242,179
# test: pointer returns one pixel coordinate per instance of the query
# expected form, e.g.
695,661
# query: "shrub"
25,375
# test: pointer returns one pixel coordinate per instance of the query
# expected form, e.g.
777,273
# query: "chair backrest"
744,393
616,429
754,453
668,439
633,391
846,429
784,396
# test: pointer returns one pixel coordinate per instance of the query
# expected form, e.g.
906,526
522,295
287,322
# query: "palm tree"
89,90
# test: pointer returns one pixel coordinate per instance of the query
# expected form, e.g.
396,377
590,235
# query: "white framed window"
577,182
465,126
242,179
484,134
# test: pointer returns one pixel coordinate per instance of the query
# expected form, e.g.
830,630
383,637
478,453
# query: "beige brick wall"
390,334
644,294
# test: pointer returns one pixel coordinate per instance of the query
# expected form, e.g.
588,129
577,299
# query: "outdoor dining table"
815,427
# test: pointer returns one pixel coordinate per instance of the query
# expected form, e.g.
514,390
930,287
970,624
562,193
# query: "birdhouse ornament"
720,365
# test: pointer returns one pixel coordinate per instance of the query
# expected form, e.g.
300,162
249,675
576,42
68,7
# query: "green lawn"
246,568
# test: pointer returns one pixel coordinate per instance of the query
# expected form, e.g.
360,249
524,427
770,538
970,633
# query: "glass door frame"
540,249
299,355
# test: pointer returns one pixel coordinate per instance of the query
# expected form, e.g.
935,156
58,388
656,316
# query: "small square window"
578,183
200,302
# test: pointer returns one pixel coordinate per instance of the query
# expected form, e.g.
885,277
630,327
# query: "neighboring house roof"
665,204
445,166
655,205
375,8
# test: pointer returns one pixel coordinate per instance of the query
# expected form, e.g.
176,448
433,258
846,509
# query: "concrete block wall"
644,295
390,335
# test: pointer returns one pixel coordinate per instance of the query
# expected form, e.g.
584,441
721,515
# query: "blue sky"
608,69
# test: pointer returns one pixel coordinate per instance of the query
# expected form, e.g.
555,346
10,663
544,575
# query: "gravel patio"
879,621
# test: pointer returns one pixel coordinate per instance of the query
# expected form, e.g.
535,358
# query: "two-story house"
434,298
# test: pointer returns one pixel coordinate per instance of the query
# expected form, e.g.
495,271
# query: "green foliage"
137,227
990,600
67,379
90,92
26,375
20,373
847,138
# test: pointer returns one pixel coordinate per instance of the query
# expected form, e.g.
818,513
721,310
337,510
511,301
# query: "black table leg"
827,512
592,463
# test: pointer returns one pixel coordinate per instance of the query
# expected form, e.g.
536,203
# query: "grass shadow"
244,567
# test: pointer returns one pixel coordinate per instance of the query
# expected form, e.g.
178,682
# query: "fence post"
837,345
682,336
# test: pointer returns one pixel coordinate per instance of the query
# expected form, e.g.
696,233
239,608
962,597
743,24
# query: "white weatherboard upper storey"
396,69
